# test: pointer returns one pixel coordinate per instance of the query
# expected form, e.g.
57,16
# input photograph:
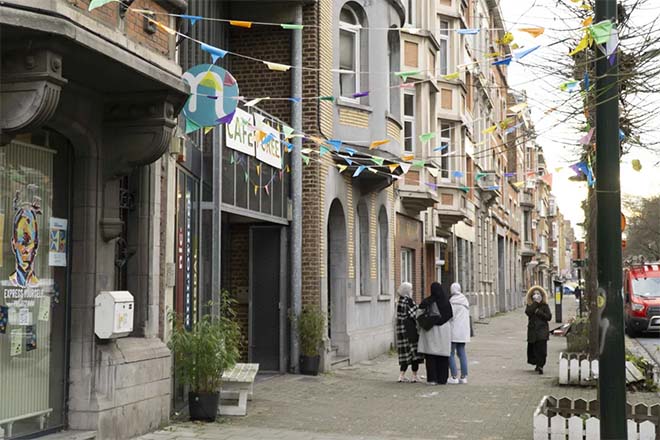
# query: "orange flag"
534,32
239,23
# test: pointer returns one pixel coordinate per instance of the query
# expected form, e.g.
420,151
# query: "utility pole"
612,381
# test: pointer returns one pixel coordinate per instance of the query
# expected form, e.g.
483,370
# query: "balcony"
527,200
527,249
415,194
452,207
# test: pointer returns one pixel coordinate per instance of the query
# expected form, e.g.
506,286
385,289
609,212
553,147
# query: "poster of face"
25,241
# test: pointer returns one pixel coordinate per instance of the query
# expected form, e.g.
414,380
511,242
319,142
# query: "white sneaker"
452,381
462,380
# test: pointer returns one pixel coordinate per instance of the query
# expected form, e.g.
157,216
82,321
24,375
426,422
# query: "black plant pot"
309,365
203,406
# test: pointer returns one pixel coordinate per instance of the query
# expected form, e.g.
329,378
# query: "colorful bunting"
521,53
404,75
457,174
490,129
341,168
425,137
473,31
502,62
405,167
288,131
193,18
98,3
440,147
323,150
297,27
601,31
277,66
582,45
433,171
518,107
393,167
215,52
418,163
191,126
451,76
378,160
350,151
507,38
226,119
240,23
586,139
334,143
359,170
534,32
376,144
360,94
408,157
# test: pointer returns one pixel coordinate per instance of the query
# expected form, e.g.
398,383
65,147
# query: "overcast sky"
543,93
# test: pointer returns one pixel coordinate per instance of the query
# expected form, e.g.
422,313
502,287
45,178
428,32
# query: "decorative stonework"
31,83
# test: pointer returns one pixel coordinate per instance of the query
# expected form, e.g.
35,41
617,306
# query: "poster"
44,309
4,317
16,342
30,338
269,152
57,242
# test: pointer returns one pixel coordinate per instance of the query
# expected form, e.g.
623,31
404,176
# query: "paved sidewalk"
365,402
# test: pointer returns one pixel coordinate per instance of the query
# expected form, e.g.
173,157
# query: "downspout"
296,187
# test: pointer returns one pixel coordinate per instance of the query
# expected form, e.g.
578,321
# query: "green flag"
404,75
191,126
425,137
601,31
98,3
327,98
418,163
378,160
292,26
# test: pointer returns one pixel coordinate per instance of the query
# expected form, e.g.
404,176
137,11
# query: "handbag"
429,317
410,327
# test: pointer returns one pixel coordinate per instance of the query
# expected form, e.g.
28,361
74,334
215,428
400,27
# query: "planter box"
577,369
556,419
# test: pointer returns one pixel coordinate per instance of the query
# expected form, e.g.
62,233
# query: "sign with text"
269,152
240,136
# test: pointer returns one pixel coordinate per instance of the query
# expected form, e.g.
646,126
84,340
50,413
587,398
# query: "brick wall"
133,23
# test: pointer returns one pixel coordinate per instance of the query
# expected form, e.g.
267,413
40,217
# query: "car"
641,294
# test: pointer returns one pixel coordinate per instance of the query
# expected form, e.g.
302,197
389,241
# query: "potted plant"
311,328
202,352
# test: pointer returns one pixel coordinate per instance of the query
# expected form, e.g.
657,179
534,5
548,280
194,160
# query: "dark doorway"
265,267
337,274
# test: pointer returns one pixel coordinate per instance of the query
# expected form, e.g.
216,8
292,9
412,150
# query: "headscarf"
455,289
439,295
405,289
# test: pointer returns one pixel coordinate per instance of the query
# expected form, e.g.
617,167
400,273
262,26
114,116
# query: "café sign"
242,136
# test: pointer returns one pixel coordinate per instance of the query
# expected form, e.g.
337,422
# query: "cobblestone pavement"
365,402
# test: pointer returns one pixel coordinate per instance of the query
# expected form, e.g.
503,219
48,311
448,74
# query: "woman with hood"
406,333
538,330
435,334
460,333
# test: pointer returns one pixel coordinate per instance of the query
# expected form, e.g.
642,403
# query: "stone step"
71,435
339,361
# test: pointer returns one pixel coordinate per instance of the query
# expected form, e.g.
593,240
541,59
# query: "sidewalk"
365,402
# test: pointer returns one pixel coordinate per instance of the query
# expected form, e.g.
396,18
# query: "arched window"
362,250
353,51
383,252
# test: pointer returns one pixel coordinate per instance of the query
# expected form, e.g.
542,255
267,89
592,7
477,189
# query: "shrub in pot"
202,352
311,328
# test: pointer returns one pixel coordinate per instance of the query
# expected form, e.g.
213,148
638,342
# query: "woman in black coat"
538,331
435,341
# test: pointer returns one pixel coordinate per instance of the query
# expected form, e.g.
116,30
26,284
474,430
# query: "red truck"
641,290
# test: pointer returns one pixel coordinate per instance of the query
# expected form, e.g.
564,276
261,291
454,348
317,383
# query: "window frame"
411,19
355,30
443,38
445,166
383,250
409,119
407,257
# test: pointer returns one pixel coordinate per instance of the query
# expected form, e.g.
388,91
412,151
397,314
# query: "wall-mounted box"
113,314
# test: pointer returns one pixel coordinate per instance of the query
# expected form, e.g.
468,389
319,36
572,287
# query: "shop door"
265,307
34,260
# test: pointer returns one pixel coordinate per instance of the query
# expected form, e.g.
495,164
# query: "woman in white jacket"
460,333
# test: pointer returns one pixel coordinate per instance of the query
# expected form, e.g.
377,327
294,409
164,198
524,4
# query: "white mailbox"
113,314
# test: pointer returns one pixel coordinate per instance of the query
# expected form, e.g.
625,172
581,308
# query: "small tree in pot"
311,328
202,352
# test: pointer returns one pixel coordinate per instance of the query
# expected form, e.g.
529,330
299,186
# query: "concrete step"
71,435
339,361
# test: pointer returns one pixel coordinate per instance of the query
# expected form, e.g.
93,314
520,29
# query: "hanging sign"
269,149
214,94
239,135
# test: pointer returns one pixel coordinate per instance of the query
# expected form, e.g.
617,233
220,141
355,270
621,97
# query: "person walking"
460,333
406,333
435,334
538,330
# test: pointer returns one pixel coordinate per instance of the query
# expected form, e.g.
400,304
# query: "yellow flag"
451,76
534,32
393,167
207,129
490,129
637,165
587,21
240,23
376,144
408,157
342,168
582,45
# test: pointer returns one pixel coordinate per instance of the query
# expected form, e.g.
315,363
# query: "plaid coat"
407,350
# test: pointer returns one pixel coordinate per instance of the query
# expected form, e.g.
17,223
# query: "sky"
559,139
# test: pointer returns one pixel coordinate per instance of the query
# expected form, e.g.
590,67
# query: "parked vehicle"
641,290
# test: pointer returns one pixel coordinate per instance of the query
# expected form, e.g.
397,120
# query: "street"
365,402
651,344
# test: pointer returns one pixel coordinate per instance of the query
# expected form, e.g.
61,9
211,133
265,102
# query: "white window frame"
411,119
407,269
445,154
355,30
443,37
411,9
382,254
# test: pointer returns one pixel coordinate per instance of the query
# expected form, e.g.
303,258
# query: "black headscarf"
440,297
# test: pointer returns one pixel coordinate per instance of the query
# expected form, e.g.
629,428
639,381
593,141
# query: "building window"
408,120
383,252
443,39
410,12
394,59
363,247
445,141
407,262
349,52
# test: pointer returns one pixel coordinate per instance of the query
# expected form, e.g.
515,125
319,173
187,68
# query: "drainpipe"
296,186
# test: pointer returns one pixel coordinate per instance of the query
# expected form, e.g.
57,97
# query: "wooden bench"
237,384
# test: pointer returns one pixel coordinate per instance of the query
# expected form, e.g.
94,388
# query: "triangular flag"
229,80
418,163
323,150
288,131
334,143
601,31
490,129
191,126
587,21
256,188
547,179
467,31
260,135
359,170
373,170
622,135
586,139
247,176
376,144
348,161
231,158
534,32
433,171
378,160
612,43
507,38
404,75
240,23
637,165
465,189
162,26
408,157
440,147
207,129
258,170
457,174
215,52
277,66
266,189
98,3
405,167
292,26
410,85
493,54
268,138
582,45
502,62
193,18
521,53
341,167
451,76
326,98
359,94
425,137
393,167
569,86
518,107
350,151
518,184
305,159
226,119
